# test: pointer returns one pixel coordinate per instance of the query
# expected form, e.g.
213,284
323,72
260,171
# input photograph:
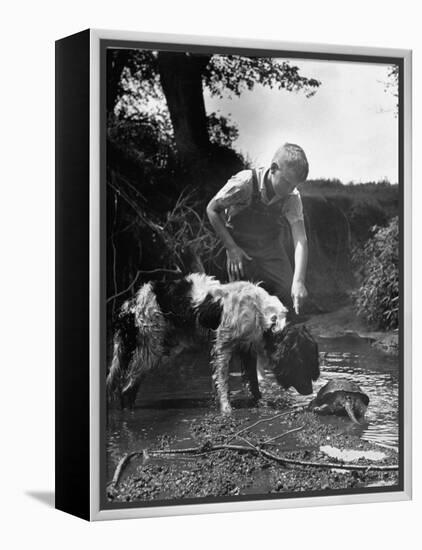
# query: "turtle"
341,396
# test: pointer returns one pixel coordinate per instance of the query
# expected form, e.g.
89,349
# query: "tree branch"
139,272
245,449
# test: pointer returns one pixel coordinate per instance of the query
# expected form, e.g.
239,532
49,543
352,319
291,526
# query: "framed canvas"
233,303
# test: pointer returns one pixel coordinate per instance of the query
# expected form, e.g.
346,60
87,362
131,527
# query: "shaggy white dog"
241,317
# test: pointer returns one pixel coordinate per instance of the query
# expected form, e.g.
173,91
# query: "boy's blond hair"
294,156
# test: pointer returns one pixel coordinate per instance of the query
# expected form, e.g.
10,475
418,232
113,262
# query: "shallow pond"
170,400
376,373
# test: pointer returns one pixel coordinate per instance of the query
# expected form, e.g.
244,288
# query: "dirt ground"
228,472
343,321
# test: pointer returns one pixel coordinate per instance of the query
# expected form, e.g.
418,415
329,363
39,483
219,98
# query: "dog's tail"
115,375
124,343
137,345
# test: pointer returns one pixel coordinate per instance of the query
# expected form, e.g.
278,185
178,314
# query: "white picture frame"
89,52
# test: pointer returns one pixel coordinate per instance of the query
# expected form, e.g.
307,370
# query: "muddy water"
170,400
376,373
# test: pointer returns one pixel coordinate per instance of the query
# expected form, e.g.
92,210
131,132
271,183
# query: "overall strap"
255,185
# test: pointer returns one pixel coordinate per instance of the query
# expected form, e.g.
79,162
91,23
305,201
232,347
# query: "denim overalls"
261,231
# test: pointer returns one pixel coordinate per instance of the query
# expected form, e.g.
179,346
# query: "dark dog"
293,354
241,317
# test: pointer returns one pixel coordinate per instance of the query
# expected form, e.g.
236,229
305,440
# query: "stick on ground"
242,448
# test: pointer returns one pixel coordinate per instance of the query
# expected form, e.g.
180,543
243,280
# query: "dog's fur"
242,319
293,354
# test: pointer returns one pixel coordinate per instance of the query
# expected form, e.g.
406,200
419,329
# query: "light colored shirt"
237,195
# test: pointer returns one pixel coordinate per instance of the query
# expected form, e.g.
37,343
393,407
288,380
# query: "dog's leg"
249,371
143,361
129,394
261,363
220,361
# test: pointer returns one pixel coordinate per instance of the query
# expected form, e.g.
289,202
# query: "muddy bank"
344,321
296,435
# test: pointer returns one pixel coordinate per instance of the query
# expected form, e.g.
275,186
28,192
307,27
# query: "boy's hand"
235,259
299,293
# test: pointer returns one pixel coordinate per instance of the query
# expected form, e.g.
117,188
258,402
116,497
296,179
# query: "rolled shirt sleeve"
236,193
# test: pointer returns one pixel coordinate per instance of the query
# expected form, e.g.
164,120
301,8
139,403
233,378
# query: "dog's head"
293,355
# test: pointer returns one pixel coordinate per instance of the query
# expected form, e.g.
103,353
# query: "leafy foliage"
392,85
139,80
363,215
234,74
131,73
364,204
148,137
221,131
377,268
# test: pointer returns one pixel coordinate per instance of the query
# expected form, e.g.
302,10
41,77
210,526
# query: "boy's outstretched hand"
299,293
235,259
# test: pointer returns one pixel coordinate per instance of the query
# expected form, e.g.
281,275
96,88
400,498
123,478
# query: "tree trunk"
181,80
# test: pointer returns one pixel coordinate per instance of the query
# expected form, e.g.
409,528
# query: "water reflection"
377,375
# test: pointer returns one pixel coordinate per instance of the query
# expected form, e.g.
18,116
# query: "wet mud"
230,472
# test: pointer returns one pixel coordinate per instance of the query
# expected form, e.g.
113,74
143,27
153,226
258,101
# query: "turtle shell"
326,393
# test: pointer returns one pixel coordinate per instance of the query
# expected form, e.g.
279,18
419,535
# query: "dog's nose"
305,389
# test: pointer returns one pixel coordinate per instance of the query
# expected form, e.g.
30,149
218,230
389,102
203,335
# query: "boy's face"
283,179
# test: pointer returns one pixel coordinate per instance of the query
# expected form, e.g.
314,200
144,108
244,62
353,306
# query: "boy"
249,214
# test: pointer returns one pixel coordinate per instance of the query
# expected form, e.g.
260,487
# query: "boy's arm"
235,192
235,254
214,212
300,243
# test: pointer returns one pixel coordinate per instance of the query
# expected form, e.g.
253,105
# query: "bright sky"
347,129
